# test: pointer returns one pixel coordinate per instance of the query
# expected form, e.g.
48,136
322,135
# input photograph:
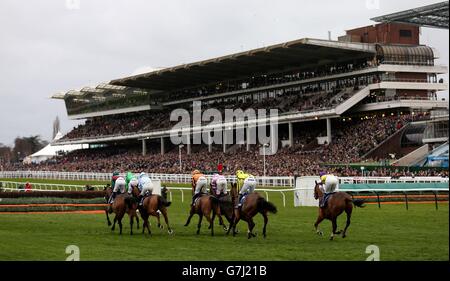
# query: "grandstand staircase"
441,150
390,145
353,100
411,159
340,94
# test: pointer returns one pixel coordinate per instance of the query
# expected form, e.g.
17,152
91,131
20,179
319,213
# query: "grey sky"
50,46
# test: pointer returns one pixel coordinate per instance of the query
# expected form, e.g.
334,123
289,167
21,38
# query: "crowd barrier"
164,178
303,191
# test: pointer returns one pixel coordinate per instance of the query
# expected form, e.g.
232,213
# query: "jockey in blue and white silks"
248,187
329,184
145,185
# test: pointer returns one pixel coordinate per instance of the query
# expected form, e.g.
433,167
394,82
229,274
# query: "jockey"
199,185
329,184
133,182
218,185
240,176
129,175
114,177
145,185
248,185
119,186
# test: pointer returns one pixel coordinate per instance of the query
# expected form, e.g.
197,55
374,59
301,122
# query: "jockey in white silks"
119,186
219,185
145,185
329,184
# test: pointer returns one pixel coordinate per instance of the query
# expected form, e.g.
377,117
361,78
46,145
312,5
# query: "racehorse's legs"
147,224
166,219
213,217
159,220
120,225
219,215
251,225
334,225
316,225
107,217
131,223
190,217
211,222
137,220
237,217
348,210
114,224
144,224
199,223
266,219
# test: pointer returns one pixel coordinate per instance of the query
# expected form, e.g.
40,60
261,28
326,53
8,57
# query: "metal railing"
284,181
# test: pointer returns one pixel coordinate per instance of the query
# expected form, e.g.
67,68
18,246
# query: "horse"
225,207
204,206
123,203
337,203
254,204
150,207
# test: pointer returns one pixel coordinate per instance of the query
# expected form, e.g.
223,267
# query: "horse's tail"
162,202
265,205
129,201
214,201
358,203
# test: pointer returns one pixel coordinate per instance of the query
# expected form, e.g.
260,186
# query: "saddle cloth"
326,197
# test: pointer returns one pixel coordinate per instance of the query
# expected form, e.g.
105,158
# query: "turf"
420,233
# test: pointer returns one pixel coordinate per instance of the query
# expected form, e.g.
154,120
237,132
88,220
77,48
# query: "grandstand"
346,101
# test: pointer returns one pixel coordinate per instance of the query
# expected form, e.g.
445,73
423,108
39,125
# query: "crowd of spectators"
292,100
353,138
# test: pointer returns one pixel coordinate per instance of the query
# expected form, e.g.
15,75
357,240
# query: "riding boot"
193,198
141,200
113,196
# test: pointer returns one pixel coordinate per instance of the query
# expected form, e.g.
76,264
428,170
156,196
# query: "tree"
5,154
26,146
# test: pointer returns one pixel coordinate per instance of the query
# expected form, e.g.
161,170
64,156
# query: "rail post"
284,198
378,199
435,198
406,199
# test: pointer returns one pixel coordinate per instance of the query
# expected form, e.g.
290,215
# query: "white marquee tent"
50,151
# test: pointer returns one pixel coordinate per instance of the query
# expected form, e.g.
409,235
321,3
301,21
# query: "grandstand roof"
298,53
435,15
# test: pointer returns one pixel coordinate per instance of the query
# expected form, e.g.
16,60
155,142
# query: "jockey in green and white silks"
128,177
133,182
248,186
329,184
